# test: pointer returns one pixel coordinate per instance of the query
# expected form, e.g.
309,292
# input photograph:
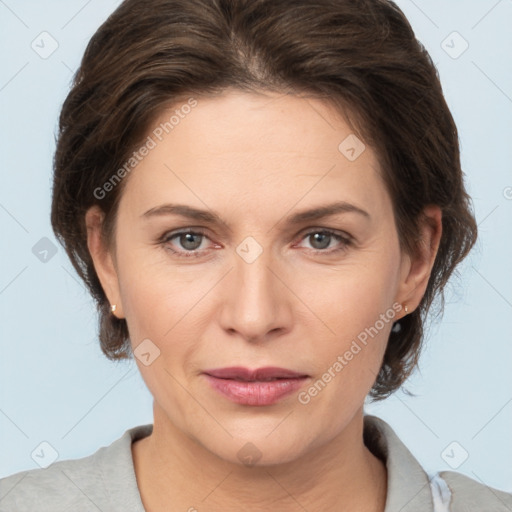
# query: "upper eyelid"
204,231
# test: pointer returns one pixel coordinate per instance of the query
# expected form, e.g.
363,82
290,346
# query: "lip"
259,374
254,387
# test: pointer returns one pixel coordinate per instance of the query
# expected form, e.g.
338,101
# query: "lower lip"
255,393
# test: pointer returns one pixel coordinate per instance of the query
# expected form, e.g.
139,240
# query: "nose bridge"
256,303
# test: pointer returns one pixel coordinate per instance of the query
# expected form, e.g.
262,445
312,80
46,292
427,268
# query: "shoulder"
467,494
410,488
53,488
88,483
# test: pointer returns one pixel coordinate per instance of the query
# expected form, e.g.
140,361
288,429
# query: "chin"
259,445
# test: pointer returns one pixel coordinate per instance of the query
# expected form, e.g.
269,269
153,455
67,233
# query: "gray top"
105,481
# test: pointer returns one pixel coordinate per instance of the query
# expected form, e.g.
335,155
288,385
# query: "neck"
175,472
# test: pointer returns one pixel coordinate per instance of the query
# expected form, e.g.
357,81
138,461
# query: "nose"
256,301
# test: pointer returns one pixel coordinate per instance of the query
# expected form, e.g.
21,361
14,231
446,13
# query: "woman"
264,197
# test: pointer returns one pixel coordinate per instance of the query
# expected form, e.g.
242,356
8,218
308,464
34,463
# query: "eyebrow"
300,217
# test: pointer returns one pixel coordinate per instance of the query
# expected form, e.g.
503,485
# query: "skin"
256,159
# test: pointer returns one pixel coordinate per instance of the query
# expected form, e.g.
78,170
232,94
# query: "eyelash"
168,236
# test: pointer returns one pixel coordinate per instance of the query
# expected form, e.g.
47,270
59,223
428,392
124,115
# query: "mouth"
265,374
263,386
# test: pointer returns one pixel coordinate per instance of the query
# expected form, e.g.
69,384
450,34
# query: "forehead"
260,147
243,122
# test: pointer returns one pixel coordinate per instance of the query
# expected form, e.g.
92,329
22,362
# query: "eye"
321,239
188,242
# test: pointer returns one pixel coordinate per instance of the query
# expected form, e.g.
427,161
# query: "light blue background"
56,386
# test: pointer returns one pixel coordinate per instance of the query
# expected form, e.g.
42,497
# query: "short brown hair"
360,55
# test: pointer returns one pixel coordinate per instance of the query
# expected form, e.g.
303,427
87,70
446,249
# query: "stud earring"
406,309
113,308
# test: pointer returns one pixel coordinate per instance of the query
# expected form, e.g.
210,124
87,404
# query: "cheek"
152,293
347,363
352,296
167,305
355,306
159,305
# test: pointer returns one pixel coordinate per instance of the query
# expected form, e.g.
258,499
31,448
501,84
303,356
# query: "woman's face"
258,284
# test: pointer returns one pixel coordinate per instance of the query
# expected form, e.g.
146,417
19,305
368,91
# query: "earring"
406,309
113,308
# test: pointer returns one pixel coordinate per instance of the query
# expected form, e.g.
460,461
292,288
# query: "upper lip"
241,373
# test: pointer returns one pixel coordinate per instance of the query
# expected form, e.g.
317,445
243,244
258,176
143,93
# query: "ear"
416,268
103,259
